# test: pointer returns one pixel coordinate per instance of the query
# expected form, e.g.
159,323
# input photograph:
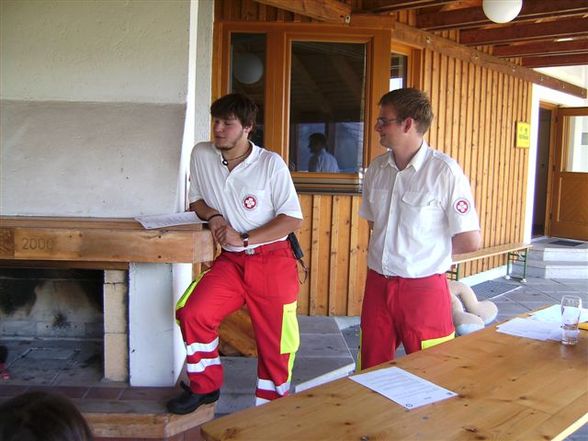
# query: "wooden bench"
516,252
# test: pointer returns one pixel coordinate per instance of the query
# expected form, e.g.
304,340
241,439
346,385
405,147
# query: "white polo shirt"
415,212
251,195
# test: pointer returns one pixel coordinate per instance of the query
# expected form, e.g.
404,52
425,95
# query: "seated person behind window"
321,160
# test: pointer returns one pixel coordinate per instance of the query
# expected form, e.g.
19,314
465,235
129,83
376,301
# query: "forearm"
202,210
277,228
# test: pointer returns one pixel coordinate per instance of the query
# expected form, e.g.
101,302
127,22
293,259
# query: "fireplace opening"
52,322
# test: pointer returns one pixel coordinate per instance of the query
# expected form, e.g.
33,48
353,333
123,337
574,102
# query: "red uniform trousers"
416,312
267,282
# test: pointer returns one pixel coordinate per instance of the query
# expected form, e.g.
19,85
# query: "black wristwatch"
245,238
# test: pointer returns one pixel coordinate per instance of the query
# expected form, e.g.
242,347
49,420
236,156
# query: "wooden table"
509,388
99,242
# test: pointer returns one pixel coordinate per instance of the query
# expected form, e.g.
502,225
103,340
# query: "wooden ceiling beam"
473,17
425,40
525,32
556,60
397,5
542,48
330,11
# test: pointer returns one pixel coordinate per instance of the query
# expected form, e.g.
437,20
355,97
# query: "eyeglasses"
383,122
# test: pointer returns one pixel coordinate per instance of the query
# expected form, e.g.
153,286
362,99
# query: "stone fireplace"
46,305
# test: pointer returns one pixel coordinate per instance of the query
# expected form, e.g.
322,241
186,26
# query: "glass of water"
571,307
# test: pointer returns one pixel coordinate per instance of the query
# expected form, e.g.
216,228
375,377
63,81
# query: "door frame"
550,164
556,159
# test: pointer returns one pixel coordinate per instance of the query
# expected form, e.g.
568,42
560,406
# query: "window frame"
279,38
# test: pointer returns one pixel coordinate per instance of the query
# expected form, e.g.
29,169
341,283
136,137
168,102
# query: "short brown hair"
236,105
410,103
42,416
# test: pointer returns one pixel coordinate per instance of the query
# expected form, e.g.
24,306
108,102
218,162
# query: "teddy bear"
469,314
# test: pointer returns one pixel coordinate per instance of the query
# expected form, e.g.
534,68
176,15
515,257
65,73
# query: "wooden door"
569,196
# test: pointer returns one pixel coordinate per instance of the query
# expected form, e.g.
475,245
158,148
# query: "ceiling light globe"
502,11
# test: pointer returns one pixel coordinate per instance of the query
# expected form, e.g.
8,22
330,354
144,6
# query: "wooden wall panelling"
476,110
339,254
304,237
249,10
480,170
321,258
490,216
517,171
442,103
358,246
484,143
466,105
511,209
500,185
334,239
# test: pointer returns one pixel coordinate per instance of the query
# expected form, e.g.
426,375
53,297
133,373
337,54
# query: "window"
248,74
327,99
576,144
398,71
314,84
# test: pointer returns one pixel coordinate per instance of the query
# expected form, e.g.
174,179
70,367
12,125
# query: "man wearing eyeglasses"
419,206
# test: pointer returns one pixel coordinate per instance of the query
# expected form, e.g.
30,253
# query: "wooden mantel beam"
331,11
422,39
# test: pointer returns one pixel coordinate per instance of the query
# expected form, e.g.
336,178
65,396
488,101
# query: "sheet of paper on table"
531,328
402,387
169,220
553,314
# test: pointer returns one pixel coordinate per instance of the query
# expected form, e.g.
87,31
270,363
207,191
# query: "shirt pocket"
421,212
254,203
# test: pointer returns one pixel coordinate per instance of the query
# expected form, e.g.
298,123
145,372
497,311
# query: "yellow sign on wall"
523,135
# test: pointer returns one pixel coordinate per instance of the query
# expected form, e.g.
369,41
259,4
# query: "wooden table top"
510,388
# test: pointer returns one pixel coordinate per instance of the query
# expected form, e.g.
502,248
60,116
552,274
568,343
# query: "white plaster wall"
94,50
93,109
196,128
89,159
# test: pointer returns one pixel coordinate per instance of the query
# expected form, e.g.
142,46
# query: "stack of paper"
169,220
530,328
541,325
553,314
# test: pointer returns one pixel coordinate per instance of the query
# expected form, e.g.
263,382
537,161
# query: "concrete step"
552,270
560,254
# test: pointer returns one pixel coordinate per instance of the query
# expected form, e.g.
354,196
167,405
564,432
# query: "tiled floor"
325,348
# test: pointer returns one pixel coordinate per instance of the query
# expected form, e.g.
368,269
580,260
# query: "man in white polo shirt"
420,208
247,196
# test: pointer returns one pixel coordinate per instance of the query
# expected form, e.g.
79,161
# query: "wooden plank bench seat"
516,252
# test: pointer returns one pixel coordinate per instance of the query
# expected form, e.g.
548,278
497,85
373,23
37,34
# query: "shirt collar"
255,150
416,161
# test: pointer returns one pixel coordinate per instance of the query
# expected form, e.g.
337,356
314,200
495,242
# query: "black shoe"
188,401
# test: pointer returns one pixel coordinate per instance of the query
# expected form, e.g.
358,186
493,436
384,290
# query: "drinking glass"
571,306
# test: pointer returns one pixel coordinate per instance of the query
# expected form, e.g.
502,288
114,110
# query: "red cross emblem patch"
462,206
249,202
